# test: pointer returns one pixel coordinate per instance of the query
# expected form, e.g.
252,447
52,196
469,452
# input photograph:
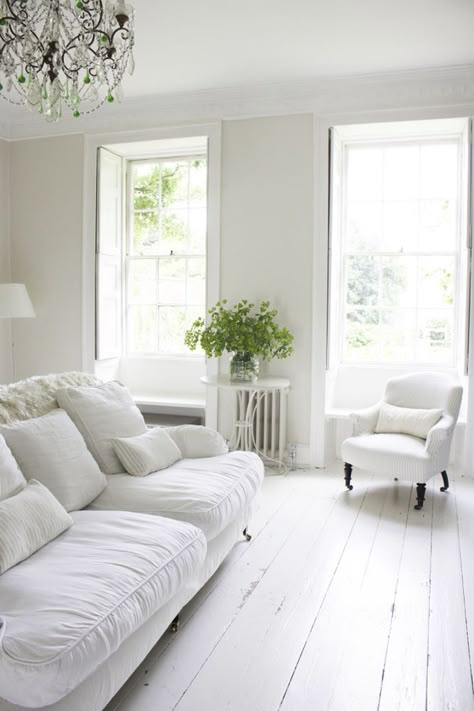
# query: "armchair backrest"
425,390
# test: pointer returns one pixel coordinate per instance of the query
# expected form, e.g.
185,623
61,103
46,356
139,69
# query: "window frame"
338,254
128,257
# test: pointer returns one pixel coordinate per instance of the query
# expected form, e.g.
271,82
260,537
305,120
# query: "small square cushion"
196,441
51,450
28,521
406,420
148,452
102,413
11,479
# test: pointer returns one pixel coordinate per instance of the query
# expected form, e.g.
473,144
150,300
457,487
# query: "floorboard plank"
404,681
449,675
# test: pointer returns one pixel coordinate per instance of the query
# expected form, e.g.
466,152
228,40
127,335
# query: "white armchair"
403,456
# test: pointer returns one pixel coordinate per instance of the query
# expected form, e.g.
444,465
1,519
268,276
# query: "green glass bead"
110,98
3,21
87,79
104,39
76,113
80,5
22,78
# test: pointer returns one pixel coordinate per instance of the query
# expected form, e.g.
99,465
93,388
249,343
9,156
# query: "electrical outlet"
292,455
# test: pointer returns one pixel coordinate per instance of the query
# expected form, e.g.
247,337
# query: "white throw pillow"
102,413
11,479
28,521
406,420
196,441
148,452
51,450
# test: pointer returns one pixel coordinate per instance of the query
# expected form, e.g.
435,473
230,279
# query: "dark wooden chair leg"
347,475
247,536
420,496
445,486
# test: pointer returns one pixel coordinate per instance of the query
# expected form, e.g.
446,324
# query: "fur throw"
36,396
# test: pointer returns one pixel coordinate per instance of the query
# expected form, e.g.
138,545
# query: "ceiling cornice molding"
423,88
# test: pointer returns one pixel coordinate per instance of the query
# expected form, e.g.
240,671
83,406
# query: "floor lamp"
15,303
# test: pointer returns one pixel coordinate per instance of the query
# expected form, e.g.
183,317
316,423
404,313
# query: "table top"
264,383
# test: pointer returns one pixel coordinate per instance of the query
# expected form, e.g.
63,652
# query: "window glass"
166,254
400,250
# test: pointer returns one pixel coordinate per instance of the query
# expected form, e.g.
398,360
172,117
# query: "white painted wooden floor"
342,601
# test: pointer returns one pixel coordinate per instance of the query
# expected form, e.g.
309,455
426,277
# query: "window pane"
439,171
364,225
400,226
436,281
399,281
364,173
142,281
174,184
362,280
146,186
401,172
172,281
438,225
361,335
174,231
197,230
142,329
197,281
397,336
172,321
435,337
198,183
145,233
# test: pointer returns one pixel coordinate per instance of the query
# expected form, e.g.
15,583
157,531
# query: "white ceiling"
189,45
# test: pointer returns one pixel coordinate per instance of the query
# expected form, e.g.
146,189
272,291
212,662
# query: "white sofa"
79,615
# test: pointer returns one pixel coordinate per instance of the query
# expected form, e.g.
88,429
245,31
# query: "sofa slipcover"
68,607
210,492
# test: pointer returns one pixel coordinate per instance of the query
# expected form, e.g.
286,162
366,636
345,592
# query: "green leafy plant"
243,328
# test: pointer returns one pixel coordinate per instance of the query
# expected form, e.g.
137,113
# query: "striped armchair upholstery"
402,456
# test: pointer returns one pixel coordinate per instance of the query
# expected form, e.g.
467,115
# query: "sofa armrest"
196,441
364,421
440,432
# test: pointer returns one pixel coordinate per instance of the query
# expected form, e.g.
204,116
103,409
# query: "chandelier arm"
125,33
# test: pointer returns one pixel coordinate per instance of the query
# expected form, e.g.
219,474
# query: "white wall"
267,235
5,324
46,254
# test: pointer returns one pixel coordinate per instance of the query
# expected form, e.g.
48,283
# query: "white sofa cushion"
209,493
28,521
66,609
147,452
51,450
416,422
196,441
101,413
11,479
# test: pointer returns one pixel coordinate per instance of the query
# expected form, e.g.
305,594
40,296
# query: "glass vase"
243,367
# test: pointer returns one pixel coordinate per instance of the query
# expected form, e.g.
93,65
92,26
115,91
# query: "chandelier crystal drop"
64,54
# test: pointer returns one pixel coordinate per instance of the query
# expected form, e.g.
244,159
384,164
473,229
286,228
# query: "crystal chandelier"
57,54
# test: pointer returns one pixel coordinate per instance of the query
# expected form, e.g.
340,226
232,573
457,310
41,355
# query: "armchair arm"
364,421
439,433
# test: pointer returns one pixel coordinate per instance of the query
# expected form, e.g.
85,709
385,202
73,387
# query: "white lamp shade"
15,302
